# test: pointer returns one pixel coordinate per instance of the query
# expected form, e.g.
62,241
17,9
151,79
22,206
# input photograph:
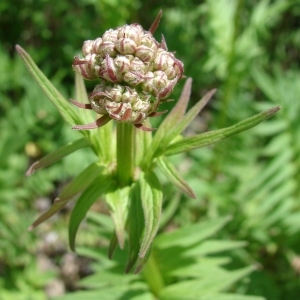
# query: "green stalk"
125,152
153,276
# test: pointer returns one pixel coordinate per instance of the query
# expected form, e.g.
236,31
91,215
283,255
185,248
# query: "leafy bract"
170,120
118,203
174,176
98,187
143,219
151,198
77,185
58,154
212,137
65,109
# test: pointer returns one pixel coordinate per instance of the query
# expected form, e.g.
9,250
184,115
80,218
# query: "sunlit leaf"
118,204
174,176
58,154
81,182
63,106
99,186
212,137
151,198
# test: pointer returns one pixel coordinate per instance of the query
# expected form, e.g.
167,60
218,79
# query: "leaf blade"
51,92
82,181
174,176
151,198
58,154
84,203
212,137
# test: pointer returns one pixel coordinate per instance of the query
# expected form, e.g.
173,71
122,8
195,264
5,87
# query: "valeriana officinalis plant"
134,74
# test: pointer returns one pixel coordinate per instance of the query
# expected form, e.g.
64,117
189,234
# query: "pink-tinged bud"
106,48
132,32
122,63
138,66
126,46
110,36
96,44
144,53
109,71
133,79
87,47
160,80
130,96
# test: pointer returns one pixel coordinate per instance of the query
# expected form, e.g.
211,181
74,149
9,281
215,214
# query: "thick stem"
125,152
153,276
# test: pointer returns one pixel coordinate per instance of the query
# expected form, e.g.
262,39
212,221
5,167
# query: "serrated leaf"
174,176
98,187
77,185
190,234
118,204
151,198
231,297
212,247
212,137
205,286
58,154
64,108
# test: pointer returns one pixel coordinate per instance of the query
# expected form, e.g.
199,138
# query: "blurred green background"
249,50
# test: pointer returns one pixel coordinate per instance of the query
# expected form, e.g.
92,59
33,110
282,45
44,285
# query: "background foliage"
249,50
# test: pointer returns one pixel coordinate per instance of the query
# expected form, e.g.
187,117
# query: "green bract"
123,173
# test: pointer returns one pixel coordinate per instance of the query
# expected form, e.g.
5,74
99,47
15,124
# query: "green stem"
125,152
153,276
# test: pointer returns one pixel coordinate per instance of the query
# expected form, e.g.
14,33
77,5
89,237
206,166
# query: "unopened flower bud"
135,73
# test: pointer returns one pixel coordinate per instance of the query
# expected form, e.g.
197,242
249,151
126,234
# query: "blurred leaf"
191,234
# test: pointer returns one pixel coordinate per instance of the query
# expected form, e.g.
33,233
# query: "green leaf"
65,109
98,187
81,182
87,115
182,124
58,154
174,176
118,204
143,143
151,198
170,120
135,224
104,143
232,297
206,286
212,137
190,234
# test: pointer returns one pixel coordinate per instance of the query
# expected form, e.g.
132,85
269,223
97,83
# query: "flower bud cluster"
122,103
135,72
